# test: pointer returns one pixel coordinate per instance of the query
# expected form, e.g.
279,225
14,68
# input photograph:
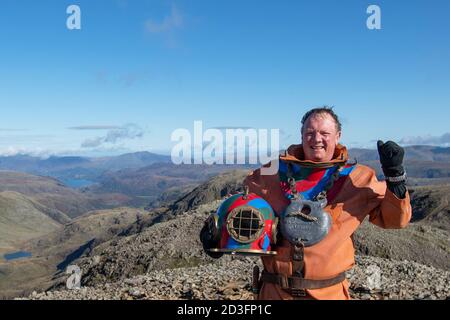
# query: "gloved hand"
391,158
208,241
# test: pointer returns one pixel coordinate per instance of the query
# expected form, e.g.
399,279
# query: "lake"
17,255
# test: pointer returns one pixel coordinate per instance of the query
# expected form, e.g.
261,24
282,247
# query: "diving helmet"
244,224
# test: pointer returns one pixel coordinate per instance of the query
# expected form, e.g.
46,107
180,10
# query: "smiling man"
321,132
317,171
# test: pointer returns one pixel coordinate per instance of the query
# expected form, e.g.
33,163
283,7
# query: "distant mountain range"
425,165
66,168
147,179
91,168
412,153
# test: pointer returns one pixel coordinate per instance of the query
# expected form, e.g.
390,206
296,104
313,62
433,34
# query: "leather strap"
297,283
297,253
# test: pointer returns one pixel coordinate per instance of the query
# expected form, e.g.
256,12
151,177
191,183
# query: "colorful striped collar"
309,181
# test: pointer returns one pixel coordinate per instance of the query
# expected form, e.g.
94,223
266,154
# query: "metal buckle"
298,293
284,282
298,254
401,178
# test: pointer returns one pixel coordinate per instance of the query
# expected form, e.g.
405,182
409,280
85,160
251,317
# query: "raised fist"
391,158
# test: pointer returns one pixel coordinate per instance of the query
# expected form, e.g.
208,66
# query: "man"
316,167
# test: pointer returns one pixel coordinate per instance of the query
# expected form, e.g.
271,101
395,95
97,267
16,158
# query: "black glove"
208,241
391,158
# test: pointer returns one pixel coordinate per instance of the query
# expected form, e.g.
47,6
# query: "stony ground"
372,278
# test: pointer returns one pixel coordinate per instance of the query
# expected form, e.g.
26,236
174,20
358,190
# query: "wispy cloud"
14,151
170,22
92,143
11,130
129,131
167,28
44,153
95,127
427,140
231,128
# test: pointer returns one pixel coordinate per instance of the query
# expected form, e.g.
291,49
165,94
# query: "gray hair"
322,110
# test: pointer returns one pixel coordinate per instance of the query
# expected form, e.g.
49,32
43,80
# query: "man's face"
320,137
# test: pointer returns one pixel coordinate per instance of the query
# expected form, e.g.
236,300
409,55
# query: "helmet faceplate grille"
245,224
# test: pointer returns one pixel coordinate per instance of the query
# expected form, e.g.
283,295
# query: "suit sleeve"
386,210
268,188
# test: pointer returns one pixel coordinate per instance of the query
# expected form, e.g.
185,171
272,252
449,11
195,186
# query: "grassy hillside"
54,251
21,219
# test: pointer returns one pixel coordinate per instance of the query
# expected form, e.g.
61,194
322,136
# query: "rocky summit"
372,278
158,255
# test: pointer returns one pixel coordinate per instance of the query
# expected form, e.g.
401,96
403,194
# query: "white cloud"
171,22
94,127
442,140
129,131
11,130
35,152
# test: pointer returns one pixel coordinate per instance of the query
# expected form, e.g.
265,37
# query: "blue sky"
137,70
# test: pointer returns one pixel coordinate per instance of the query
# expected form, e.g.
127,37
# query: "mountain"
147,179
418,153
53,251
65,168
22,218
431,205
424,165
68,168
419,173
130,161
216,188
148,184
33,206
53,194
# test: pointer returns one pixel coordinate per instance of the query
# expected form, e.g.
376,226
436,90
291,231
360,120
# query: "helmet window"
245,224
